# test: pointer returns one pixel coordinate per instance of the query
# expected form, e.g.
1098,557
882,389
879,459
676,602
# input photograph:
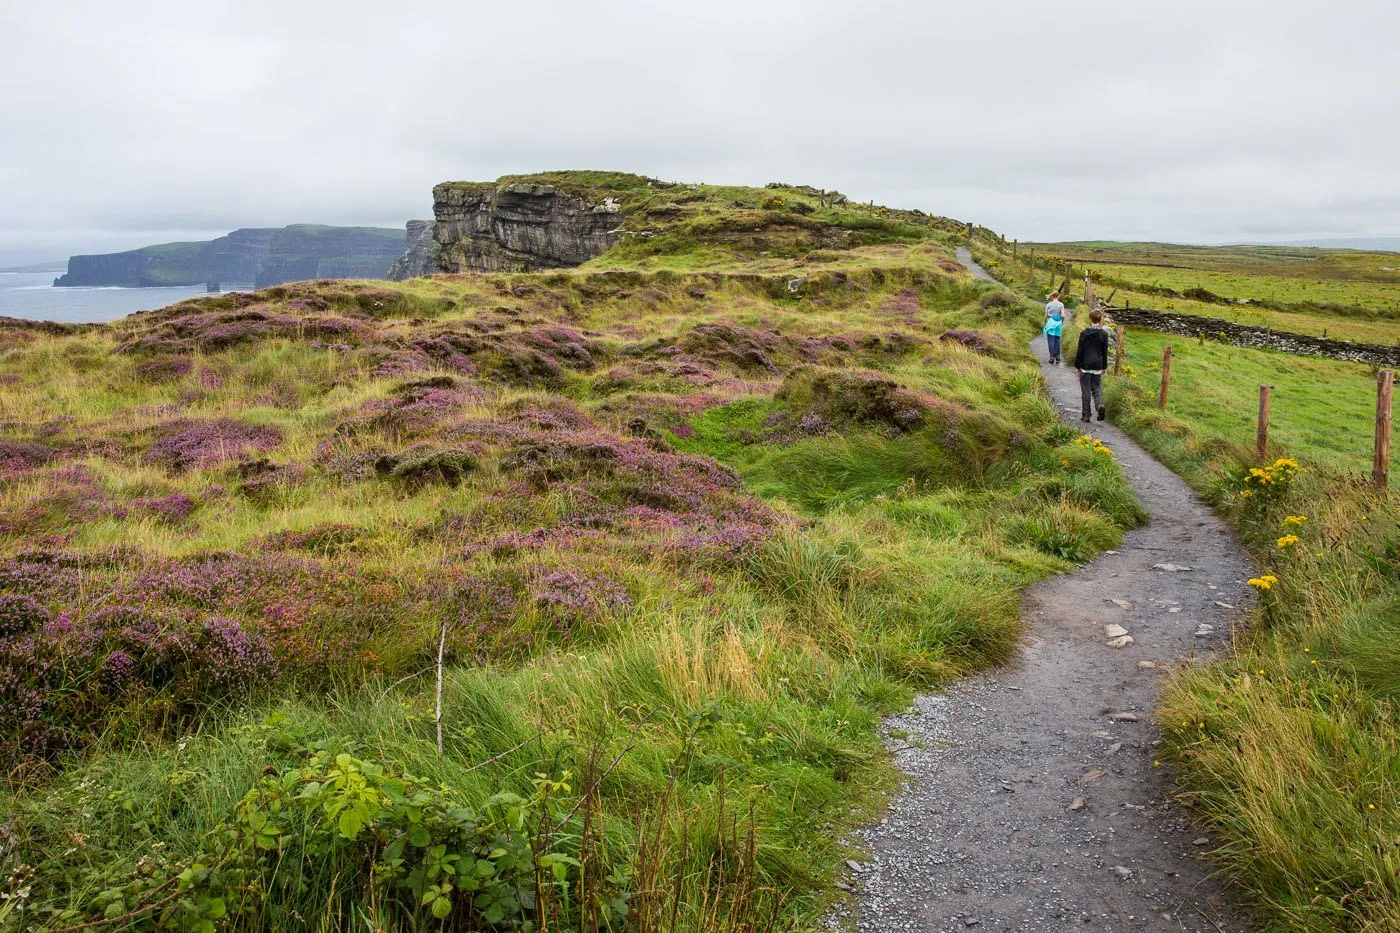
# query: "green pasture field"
1342,294
1322,410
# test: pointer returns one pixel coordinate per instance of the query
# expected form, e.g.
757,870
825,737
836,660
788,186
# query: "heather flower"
227,655
574,596
196,444
173,508
20,614
164,369
968,338
20,455
118,669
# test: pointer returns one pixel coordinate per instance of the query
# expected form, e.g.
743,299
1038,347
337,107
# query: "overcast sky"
134,122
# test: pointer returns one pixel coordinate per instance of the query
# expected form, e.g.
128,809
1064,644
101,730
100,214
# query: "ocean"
31,295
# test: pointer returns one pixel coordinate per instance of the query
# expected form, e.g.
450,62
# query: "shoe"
1101,414
1083,417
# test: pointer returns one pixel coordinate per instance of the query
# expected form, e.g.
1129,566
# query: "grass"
1287,747
680,537
1321,410
1342,294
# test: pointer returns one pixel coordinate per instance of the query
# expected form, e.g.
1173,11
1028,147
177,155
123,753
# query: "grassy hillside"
566,600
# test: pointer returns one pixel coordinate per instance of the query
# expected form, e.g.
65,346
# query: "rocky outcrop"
1261,338
254,256
420,255
519,227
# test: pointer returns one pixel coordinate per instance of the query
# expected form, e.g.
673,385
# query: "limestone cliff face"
519,227
236,258
420,255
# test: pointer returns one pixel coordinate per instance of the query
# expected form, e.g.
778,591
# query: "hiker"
1090,360
1054,325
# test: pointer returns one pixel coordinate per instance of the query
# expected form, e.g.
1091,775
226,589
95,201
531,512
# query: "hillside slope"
569,597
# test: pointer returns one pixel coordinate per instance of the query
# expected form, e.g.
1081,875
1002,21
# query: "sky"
144,121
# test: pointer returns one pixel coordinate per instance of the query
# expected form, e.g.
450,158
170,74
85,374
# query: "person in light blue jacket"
1054,325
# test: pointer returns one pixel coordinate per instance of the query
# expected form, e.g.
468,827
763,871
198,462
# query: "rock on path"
1032,801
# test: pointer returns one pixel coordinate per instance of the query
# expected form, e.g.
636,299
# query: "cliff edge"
520,227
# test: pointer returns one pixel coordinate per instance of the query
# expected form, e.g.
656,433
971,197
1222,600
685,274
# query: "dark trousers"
1091,389
1053,340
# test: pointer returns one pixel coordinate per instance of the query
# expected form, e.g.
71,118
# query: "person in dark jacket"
1090,360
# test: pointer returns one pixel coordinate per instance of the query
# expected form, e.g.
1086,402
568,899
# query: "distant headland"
257,257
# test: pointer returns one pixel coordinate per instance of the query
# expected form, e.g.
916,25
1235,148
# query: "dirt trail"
965,257
986,833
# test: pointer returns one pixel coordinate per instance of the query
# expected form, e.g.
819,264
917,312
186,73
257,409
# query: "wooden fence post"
1014,244
1261,435
1166,377
1385,385
1118,350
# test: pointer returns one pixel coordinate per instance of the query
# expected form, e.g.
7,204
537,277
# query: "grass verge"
1288,748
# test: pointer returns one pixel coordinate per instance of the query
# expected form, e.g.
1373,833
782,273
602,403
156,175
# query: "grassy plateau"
563,601
1288,748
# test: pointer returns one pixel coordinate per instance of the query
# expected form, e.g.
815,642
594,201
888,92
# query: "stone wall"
1245,335
519,227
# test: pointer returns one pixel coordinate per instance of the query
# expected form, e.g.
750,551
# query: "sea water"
31,295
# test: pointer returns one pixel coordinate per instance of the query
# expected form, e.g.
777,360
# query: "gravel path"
1033,801
965,257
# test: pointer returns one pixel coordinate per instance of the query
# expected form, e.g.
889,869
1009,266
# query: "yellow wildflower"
1294,520
1288,541
1266,582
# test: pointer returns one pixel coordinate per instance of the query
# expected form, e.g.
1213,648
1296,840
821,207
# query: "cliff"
150,266
306,251
236,258
520,226
523,223
420,255
252,256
